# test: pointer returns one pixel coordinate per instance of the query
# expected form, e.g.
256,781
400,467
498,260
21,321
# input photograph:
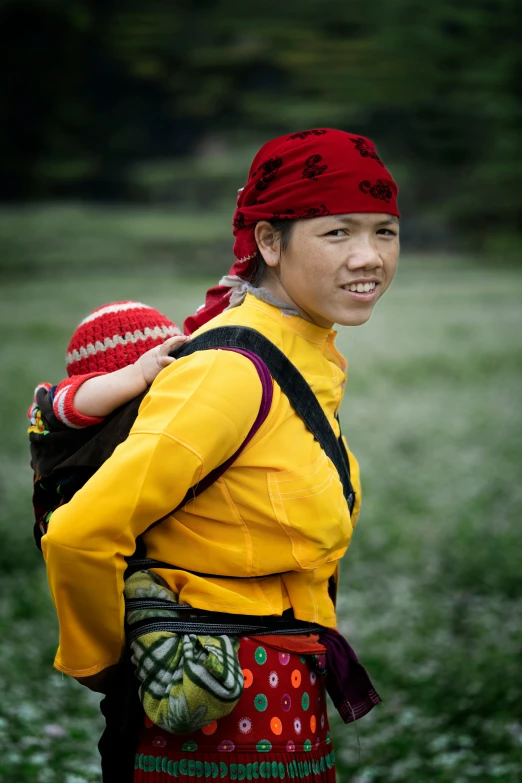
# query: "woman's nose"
364,255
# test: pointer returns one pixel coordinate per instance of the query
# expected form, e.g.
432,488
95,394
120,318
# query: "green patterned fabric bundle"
187,680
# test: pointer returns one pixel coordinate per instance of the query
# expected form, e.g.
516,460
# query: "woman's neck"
240,288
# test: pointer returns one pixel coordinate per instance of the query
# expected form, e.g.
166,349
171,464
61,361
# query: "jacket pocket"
309,505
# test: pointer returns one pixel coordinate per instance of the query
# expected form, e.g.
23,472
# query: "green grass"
69,239
431,592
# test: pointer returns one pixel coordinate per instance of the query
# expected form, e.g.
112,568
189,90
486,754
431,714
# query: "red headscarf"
307,174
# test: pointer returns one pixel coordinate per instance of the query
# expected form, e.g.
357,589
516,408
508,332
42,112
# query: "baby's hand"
152,362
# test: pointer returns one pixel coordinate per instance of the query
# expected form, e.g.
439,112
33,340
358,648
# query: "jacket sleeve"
197,413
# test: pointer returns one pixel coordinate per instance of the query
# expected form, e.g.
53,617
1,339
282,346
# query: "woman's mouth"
363,292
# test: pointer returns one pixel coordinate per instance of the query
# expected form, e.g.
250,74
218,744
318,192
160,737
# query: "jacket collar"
311,332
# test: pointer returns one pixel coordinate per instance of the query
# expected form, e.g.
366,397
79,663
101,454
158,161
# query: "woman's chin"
354,318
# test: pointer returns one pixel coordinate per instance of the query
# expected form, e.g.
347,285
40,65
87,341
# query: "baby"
113,357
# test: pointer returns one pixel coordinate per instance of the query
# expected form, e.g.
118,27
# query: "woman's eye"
336,232
387,232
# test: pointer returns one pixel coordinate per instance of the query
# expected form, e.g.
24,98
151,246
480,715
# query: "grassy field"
431,587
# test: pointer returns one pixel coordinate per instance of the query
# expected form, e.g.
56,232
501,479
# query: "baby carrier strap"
270,362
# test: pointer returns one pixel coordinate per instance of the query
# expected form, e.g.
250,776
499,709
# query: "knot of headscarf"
312,173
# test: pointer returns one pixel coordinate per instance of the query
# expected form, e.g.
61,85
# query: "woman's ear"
269,242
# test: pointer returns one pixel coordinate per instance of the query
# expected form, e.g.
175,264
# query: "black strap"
183,618
138,563
292,384
210,626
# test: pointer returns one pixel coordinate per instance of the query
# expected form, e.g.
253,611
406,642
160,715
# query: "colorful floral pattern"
225,746
276,726
278,730
194,768
261,702
245,725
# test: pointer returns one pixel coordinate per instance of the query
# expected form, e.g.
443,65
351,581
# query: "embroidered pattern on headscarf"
239,221
288,214
366,149
306,133
270,168
379,190
312,170
316,212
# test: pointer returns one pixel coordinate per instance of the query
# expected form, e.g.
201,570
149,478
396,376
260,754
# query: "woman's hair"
282,227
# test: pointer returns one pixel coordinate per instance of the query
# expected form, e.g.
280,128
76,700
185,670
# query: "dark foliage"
91,87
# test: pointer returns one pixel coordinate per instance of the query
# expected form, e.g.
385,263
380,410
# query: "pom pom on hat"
116,335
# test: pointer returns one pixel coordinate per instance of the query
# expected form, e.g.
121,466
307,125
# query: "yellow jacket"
279,508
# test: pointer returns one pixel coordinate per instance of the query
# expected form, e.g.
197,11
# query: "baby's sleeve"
63,402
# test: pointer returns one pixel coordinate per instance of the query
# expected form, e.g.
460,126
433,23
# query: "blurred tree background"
163,102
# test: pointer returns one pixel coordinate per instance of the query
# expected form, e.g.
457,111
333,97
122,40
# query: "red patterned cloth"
311,173
278,730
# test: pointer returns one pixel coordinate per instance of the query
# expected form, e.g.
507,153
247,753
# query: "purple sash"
347,681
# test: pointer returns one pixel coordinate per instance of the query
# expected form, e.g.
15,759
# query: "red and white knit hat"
116,335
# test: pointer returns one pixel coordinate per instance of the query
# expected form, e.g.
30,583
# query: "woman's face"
334,268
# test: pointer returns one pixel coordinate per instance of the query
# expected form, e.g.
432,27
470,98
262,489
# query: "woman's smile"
334,268
362,290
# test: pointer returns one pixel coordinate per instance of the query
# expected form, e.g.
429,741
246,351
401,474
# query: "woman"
317,243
